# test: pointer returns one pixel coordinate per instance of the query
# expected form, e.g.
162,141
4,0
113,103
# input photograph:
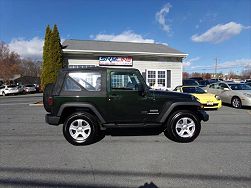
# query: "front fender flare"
170,108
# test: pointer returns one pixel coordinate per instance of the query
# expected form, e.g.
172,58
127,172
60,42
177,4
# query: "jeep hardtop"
88,101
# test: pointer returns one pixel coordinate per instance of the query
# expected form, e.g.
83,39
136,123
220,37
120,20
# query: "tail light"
50,101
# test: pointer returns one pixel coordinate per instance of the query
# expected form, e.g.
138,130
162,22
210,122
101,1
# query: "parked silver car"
29,88
236,94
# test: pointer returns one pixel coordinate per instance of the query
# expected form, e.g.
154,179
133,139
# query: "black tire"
183,126
236,102
47,93
86,135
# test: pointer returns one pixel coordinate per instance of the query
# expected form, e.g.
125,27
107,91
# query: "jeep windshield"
239,86
197,90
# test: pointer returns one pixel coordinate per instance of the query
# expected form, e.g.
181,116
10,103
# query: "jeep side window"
91,81
70,85
124,81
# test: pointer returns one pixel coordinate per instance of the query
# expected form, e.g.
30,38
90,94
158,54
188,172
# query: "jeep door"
125,104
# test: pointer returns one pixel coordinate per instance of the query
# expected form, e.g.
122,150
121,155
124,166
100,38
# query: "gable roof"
130,48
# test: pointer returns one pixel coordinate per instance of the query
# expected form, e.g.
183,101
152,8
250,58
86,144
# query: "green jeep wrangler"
88,101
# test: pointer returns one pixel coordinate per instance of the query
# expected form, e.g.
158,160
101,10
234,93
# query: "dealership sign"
119,61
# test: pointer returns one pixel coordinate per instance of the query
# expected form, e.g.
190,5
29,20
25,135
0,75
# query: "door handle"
114,96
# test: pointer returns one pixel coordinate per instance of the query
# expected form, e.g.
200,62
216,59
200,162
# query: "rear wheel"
236,102
183,126
80,129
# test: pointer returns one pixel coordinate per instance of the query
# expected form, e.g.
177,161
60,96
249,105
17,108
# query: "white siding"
82,62
175,67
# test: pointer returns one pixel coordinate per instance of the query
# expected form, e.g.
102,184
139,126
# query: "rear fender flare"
81,105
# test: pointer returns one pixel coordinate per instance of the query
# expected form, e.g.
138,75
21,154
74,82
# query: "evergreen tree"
56,56
52,56
46,67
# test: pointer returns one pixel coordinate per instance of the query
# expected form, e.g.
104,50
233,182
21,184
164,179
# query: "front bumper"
52,120
214,105
203,115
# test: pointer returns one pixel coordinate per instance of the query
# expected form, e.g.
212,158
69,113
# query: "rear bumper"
203,115
52,120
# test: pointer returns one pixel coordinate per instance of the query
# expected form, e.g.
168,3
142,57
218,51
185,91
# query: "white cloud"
219,33
126,36
160,17
28,48
245,63
233,64
188,62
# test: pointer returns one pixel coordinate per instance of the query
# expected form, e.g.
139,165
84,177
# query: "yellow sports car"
208,100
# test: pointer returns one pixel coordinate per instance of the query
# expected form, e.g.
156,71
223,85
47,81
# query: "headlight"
247,95
217,97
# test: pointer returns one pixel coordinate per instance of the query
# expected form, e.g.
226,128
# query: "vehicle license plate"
210,103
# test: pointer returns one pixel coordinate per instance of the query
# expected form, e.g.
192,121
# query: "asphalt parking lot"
34,154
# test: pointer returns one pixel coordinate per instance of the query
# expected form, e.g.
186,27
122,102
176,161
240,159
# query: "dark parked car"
190,82
89,101
196,78
203,83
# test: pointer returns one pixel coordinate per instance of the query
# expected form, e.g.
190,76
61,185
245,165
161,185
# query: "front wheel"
183,126
80,129
236,102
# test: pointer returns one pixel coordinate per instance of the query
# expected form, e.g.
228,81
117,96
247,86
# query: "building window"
158,78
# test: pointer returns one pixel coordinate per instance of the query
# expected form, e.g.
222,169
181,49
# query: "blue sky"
204,29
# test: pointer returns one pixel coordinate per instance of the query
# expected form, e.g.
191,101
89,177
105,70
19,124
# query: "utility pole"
216,63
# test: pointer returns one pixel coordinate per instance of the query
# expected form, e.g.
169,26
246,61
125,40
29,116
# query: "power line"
218,67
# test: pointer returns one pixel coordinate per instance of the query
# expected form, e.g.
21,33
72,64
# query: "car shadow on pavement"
133,131
38,175
243,107
127,132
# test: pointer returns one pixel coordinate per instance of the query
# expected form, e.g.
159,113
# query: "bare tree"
185,75
9,62
29,67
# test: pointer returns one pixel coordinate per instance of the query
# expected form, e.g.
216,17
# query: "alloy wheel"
80,129
236,103
185,127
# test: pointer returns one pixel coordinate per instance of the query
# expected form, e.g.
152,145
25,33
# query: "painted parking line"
36,105
13,104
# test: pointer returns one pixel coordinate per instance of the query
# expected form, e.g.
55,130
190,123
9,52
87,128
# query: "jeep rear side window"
70,85
91,81
124,81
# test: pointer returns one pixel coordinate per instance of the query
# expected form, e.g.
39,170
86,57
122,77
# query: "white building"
160,65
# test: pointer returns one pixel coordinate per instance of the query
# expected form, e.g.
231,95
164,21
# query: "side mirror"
226,89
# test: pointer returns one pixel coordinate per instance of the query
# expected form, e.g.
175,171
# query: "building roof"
130,48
